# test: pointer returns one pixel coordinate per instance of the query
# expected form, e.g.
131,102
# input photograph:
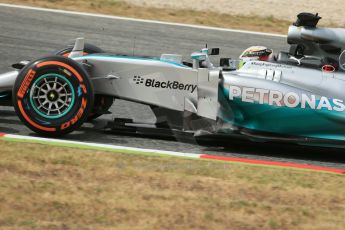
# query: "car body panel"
143,80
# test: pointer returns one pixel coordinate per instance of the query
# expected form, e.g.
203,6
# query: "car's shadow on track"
9,121
285,151
95,132
6,113
249,149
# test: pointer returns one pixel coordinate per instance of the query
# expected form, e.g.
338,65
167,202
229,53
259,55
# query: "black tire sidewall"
83,96
88,49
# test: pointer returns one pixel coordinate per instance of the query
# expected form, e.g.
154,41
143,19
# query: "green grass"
56,187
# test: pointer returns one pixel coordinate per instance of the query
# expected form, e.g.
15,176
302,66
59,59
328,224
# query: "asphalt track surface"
27,34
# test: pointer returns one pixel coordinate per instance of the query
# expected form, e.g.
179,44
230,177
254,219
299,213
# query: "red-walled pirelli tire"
53,96
102,102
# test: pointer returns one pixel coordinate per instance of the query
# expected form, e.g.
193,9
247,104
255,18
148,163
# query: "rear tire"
88,49
53,96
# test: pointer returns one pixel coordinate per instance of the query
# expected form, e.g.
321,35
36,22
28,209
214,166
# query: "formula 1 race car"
295,96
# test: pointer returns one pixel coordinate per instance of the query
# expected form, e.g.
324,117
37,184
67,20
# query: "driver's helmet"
255,53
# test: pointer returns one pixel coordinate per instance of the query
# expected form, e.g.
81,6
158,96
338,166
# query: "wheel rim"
52,96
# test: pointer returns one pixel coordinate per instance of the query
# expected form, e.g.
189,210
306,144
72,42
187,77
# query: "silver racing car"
295,96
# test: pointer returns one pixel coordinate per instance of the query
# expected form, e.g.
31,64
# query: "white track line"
100,146
107,147
139,20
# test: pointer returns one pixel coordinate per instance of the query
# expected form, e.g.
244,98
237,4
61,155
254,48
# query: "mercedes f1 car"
296,96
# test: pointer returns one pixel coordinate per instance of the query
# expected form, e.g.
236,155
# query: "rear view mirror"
199,56
213,51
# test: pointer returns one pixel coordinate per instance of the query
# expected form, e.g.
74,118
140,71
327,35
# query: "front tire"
102,103
53,96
